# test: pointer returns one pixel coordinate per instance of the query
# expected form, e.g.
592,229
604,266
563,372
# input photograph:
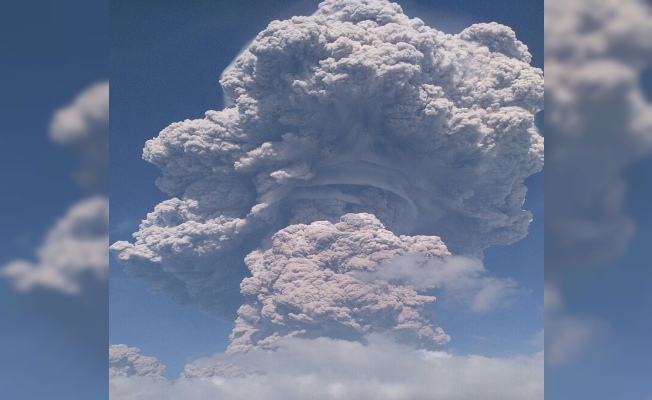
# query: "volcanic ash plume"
126,361
306,286
355,109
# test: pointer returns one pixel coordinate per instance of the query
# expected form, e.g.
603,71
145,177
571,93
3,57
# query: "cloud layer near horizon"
354,109
324,368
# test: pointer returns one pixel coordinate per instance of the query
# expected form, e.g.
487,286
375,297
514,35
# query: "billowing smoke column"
355,109
127,361
306,285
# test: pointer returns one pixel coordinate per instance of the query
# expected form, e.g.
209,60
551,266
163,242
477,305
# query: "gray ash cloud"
355,109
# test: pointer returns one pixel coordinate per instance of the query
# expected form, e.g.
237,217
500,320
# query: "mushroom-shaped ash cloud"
355,109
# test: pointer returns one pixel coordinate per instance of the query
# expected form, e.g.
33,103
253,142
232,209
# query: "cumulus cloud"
334,369
126,361
68,278
306,285
465,281
598,123
74,253
84,126
355,109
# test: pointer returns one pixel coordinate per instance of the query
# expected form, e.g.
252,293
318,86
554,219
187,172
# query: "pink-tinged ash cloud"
306,286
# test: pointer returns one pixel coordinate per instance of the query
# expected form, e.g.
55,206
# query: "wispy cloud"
462,281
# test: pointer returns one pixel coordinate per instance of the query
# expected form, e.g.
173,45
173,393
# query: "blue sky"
50,53
165,65
617,292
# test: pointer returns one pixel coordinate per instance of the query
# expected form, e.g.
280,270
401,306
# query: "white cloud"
331,369
568,337
599,124
84,126
463,281
68,280
73,260
74,253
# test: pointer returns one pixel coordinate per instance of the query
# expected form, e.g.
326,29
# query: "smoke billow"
126,361
306,286
354,109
